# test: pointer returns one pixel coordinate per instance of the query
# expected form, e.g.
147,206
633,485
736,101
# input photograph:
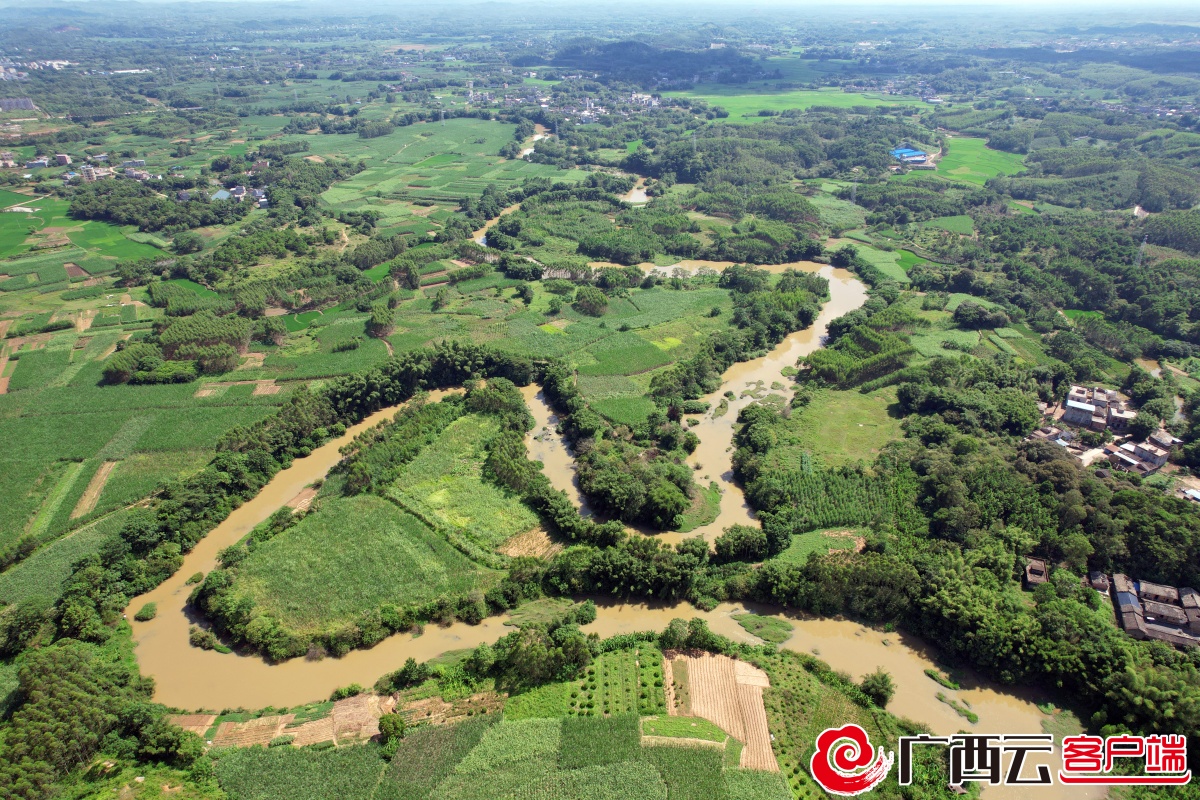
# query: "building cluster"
1152,611
1141,458
1100,409
1144,610
1097,408
238,194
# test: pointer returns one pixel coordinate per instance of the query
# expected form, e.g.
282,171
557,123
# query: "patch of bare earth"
536,542
315,159
196,723
216,387
436,711
860,543
351,720
75,271
256,731
728,693
274,311
302,501
95,486
252,361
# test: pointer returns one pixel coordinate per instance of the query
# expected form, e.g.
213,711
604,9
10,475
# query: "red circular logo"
851,751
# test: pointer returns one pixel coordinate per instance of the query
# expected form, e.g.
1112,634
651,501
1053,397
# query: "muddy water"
637,194
748,380
190,678
480,236
1150,365
546,445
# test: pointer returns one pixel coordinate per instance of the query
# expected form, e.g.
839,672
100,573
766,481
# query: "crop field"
623,682
348,773
971,160
431,161
838,214
353,555
888,262
49,226
728,693
310,352
743,105
934,344
445,482
58,424
798,708
624,354
42,574
616,683
585,758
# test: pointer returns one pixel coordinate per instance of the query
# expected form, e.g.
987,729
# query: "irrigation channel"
190,678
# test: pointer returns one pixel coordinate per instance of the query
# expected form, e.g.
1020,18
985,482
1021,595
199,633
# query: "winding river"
190,678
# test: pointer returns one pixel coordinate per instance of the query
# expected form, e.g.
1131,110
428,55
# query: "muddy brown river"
190,678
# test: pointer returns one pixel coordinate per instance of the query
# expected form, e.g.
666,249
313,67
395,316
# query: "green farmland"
743,106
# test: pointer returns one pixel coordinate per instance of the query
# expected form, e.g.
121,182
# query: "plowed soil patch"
531,543
728,693
302,501
196,723
75,271
256,731
95,486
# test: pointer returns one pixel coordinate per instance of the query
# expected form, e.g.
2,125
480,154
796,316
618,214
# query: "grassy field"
971,160
842,427
430,161
769,629
351,556
804,544
48,226
445,481
743,105
934,344
960,224
888,262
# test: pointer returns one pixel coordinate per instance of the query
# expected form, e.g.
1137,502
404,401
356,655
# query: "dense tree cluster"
130,203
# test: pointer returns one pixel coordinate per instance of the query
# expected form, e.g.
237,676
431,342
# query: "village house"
62,159
7,159
1148,610
1096,408
1036,571
37,162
